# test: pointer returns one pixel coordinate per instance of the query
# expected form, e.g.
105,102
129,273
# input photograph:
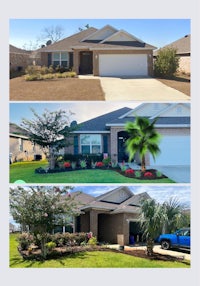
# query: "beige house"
183,48
19,59
21,148
101,52
112,217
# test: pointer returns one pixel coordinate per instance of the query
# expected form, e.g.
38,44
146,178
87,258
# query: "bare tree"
52,33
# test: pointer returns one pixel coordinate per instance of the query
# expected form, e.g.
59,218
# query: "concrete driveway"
138,89
179,174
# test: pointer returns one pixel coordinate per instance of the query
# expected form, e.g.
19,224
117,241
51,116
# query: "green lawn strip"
93,259
26,172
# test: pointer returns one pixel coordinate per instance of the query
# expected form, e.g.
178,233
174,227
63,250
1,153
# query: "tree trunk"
150,245
51,159
43,247
143,165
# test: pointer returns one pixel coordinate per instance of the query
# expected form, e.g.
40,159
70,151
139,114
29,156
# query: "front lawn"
56,89
93,259
26,171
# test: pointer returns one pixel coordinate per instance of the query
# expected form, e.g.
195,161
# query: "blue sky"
157,32
83,110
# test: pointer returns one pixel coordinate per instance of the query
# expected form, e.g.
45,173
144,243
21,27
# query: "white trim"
122,32
18,136
156,125
171,105
125,48
105,27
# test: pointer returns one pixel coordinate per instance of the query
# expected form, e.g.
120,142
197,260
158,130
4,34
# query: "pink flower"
99,164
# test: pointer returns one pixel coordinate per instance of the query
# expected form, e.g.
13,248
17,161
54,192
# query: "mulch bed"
56,89
150,174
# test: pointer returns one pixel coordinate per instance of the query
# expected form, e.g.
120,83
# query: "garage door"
123,65
175,150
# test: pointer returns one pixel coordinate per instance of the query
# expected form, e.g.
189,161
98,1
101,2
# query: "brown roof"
77,41
15,129
181,45
16,50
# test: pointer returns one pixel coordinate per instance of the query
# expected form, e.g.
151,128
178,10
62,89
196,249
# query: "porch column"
76,61
114,142
94,223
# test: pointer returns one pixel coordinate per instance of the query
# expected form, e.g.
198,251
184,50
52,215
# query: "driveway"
179,174
138,89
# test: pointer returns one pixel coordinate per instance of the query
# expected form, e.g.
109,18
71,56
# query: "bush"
92,241
50,246
166,63
25,240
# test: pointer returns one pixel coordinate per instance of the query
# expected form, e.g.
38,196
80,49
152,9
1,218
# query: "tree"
87,26
40,208
166,63
155,218
51,131
52,33
151,220
142,138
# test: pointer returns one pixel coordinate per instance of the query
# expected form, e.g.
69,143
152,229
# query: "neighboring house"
183,52
106,133
110,216
19,59
101,52
21,148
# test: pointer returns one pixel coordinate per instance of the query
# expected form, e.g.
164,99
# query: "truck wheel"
165,244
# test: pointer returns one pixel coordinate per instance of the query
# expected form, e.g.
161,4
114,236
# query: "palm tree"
151,221
174,213
143,138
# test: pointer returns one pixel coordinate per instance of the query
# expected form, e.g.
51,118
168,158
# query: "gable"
175,110
121,36
101,34
117,196
146,110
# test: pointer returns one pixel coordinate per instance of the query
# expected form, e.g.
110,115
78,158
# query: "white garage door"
175,150
123,65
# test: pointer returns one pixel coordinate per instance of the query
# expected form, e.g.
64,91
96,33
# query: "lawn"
26,171
56,89
93,259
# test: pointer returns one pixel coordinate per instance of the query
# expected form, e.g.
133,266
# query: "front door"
122,155
86,63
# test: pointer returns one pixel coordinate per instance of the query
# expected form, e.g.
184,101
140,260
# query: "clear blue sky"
83,110
157,32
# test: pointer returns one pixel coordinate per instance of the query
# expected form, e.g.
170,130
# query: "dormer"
101,34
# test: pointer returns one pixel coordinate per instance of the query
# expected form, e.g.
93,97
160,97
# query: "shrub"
148,175
166,63
123,167
92,241
73,165
83,164
67,164
137,174
158,174
129,171
106,161
50,245
99,164
25,240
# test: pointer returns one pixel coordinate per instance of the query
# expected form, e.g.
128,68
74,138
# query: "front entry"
86,62
122,155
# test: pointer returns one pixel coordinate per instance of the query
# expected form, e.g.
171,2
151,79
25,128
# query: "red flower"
99,164
67,164
148,174
129,171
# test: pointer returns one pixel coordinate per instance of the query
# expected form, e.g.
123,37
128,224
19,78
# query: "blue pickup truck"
179,239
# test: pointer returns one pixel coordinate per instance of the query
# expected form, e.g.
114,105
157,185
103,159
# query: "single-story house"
101,52
21,148
106,133
183,49
19,58
112,217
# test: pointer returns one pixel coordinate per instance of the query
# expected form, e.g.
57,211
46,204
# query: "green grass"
95,259
25,171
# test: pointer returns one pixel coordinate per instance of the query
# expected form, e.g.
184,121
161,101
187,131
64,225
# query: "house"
112,216
101,52
183,51
106,133
21,148
19,58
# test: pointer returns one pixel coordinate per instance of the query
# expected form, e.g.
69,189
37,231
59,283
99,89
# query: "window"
60,59
90,144
20,144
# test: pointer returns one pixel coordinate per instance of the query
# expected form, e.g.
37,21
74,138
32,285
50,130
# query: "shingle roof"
15,129
16,50
181,45
99,123
76,41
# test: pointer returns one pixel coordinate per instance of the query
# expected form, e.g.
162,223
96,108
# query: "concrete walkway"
157,249
138,89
